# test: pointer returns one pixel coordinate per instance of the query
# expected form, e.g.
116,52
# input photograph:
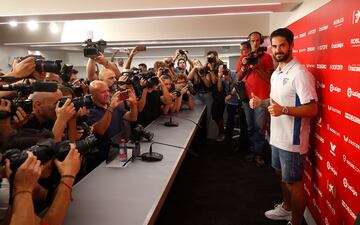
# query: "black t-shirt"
152,108
35,124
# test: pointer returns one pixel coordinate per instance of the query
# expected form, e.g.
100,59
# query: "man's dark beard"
284,57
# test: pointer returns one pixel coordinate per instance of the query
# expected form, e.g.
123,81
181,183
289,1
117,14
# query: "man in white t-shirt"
291,105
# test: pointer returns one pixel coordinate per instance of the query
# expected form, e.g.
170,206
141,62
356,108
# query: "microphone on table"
171,123
154,156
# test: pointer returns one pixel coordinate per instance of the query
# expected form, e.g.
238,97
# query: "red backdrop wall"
327,42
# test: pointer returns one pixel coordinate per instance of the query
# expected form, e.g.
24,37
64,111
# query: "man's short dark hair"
142,64
212,52
246,43
25,138
283,32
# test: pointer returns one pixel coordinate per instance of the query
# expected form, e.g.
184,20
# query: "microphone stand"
171,123
154,156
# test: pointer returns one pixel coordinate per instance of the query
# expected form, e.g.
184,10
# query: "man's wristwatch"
284,110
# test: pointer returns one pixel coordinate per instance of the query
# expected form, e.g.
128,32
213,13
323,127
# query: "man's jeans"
256,122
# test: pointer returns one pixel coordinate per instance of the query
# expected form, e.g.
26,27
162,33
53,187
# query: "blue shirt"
228,87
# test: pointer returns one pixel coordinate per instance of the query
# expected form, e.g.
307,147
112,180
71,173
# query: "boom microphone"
38,86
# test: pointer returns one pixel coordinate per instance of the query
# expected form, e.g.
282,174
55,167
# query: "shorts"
291,164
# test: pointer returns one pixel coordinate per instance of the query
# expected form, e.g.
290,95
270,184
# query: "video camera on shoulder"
253,58
42,65
93,49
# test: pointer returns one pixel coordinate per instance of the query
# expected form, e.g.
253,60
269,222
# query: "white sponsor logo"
318,172
310,65
355,42
336,67
321,139
316,206
352,93
352,118
332,148
351,188
322,47
332,169
321,66
307,175
334,88
353,143
302,50
337,45
326,221
318,155
320,85
296,37
351,213
311,49
302,35
308,161
335,110
332,130
319,120
313,31
338,22
306,189
354,68
325,27
349,163
332,210
356,16
295,51
331,188
318,190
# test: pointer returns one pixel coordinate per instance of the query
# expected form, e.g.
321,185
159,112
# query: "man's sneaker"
259,161
289,223
278,213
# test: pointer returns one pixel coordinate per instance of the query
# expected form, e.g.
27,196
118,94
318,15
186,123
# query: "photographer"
256,70
217,109
68,169
101,59
182,56
107,115
186,98
152,97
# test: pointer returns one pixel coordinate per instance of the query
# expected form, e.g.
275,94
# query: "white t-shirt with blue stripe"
293,86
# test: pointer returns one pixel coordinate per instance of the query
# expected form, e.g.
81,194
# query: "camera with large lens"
211,59
139,132
190,87
165,71
176,91
182,52
44,151
151,79
25,104
93,49
84,146
65,72
42,65
78,102
47,150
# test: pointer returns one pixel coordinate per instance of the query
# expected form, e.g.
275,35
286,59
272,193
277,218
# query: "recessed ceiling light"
54,28
32,25
13,23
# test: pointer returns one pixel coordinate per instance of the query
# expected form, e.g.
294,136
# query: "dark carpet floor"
220,188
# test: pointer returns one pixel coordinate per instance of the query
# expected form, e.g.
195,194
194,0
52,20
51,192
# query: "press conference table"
134,195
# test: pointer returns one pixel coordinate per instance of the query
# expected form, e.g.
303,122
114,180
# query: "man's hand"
66,112
115,100
228,98
132,101
101,59
82,111
184,90
27,174
24,68
255,101
275,109
20,118
71,164
5,105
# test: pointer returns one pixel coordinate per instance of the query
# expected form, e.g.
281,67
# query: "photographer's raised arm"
165,98
21,69
132,114
68,170
133,52
63,115
142,100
